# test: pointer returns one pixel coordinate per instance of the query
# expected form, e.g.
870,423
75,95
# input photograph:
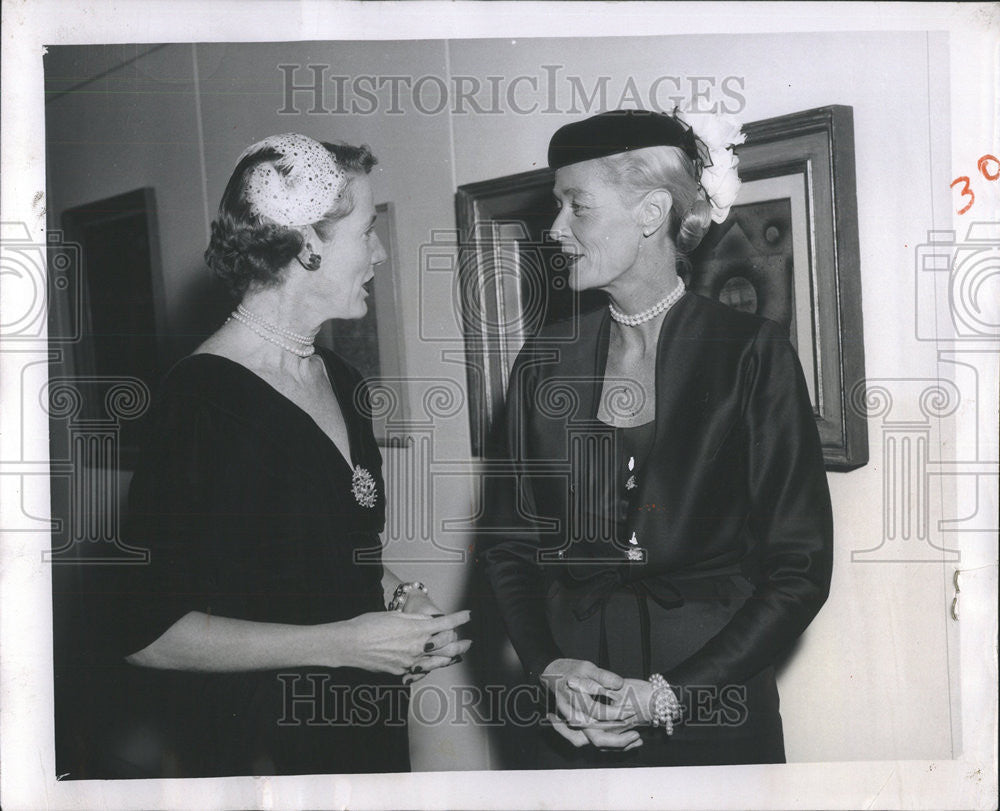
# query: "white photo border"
26,747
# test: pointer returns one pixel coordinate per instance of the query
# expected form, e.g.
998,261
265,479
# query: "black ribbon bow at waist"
666,592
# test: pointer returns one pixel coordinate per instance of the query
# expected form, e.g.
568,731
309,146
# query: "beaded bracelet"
402,592
666,707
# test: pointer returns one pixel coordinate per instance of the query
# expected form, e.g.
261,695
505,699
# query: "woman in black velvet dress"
257,637
670,529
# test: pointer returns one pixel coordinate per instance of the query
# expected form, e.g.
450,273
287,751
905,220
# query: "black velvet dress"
248,511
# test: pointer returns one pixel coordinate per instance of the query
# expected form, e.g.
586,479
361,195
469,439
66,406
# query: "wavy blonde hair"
641,171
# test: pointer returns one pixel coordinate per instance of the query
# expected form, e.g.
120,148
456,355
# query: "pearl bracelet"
666,707
402,592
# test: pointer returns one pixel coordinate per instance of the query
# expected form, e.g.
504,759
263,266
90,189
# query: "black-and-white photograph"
404,414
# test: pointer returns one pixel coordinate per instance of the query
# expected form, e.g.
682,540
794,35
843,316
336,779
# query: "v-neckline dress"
249,510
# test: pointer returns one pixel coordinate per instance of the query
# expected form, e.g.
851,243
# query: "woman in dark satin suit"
670,531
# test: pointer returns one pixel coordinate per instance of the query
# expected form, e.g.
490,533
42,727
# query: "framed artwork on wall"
788,251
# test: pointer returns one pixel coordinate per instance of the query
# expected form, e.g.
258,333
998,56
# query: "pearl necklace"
305,340
648,315
300,344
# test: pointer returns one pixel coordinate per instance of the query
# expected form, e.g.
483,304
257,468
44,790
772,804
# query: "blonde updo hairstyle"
640,171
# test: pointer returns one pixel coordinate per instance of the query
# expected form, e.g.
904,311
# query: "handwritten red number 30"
983,166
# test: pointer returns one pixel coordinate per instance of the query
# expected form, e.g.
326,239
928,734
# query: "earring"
314,261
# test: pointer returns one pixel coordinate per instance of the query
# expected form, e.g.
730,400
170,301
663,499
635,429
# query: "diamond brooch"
363,487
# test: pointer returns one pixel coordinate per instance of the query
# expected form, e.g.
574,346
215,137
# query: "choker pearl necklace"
648,315
293,342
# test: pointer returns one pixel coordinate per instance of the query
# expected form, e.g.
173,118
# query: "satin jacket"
734,482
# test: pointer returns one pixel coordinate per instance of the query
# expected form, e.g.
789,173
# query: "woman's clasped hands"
406,643
596,706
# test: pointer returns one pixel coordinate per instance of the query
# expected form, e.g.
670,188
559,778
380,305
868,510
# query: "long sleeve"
180,514
512,566
790,519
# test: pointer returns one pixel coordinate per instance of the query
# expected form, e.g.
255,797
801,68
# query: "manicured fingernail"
456,659
428,647
417,669
435,616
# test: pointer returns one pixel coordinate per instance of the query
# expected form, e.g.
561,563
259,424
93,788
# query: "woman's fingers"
607,713
439,641
634,699
624,740
440,630
447,656
587,686
590,688
428,663
608,739
593,703
605,678
603,706
575,737
442,638
580,721
451,650
577,718
597,701
569,714
619,712
446,623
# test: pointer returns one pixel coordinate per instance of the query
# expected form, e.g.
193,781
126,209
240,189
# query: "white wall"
864,684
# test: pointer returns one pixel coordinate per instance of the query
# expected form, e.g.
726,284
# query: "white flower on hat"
719,178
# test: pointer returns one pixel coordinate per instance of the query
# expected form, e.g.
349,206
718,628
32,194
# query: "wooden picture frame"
797,169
